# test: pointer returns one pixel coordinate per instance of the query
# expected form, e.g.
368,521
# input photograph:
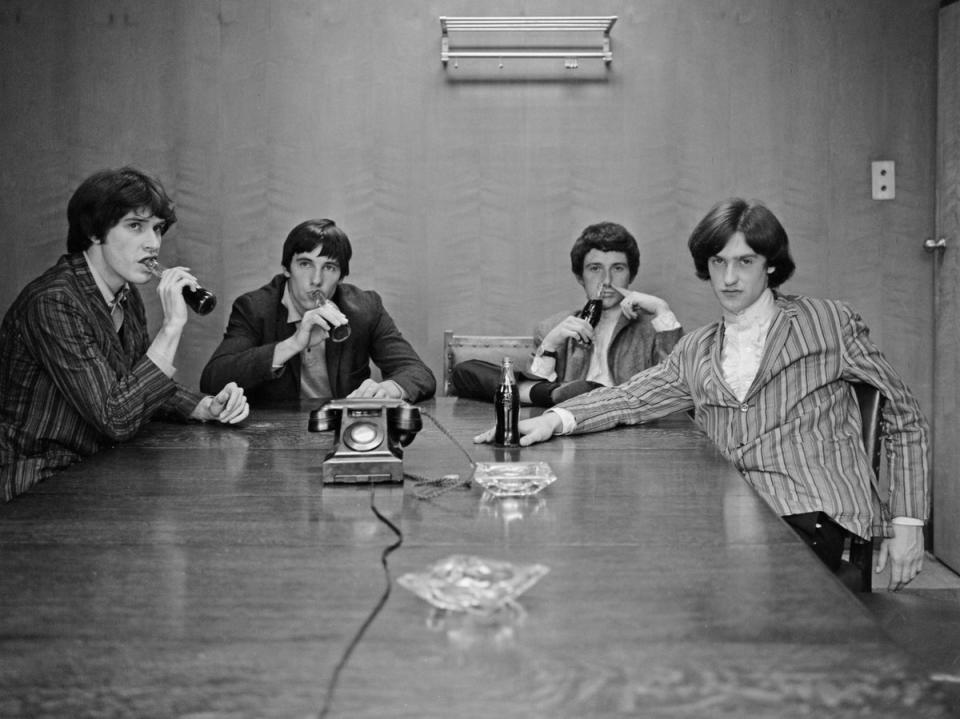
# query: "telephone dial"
369,441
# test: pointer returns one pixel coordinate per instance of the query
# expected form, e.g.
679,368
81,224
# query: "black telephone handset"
370,435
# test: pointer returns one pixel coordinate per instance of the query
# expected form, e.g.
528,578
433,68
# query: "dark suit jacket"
258,321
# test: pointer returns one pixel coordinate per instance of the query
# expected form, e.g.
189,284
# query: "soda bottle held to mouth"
200,300
338,333
591,312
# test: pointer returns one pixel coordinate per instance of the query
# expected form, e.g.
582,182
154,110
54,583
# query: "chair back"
490,348
870,401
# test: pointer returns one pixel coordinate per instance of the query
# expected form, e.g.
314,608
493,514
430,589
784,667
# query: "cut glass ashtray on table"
513,479
466,583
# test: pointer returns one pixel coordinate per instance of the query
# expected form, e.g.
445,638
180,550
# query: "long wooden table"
205,572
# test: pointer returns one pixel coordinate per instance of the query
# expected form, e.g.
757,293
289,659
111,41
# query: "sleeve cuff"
567,421
543,367
665,321
908,521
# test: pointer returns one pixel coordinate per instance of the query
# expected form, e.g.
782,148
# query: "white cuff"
908,521
665,321
567,421
544,367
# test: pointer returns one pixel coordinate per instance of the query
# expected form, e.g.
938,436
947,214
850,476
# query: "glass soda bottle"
200,300
591,312
507,404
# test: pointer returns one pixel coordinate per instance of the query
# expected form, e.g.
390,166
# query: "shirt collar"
758,314
293,313
108,295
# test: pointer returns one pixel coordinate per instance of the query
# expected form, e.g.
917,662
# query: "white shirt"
599,370
744,338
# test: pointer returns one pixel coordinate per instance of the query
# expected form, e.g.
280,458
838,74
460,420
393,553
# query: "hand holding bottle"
200,300
338,326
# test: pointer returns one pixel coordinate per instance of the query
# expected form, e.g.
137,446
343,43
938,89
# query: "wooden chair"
870,402
491,348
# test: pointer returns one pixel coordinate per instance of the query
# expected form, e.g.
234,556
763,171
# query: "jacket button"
744,407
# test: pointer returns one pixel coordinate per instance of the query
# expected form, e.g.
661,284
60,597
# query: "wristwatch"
546,353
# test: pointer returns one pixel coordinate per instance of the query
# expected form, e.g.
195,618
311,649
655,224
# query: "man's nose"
729,275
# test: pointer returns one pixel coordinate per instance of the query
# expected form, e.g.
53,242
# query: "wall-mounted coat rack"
519,49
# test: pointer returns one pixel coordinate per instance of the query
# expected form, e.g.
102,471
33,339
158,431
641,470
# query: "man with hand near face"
634,331
77,372
307,334
770,384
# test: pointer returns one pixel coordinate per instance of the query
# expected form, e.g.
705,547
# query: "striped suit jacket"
69,384
796,435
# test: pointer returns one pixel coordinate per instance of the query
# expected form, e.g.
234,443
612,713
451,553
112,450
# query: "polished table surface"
204,572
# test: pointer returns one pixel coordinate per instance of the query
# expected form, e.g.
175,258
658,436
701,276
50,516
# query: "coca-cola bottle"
507,404
200,300
591,312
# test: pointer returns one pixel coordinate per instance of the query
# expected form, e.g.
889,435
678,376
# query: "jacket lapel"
771,362
716,363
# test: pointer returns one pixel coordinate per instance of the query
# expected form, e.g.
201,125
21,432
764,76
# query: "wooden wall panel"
463,191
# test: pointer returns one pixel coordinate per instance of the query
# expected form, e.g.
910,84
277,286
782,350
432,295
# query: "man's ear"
771,270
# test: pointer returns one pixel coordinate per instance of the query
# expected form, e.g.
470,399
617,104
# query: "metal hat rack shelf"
588,24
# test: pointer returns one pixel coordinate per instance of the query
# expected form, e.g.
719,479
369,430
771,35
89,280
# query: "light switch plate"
884,180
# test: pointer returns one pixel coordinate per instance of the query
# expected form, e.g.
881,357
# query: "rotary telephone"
369,441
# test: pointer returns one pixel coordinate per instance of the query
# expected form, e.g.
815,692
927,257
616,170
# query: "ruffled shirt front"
744,338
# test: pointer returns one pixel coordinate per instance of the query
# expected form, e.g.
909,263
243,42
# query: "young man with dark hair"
634,331
77,372
770,385
307,334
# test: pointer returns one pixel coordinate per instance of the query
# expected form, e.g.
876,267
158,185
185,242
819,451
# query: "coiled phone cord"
437,486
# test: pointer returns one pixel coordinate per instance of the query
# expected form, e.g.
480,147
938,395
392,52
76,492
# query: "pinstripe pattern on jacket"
69,384
796,435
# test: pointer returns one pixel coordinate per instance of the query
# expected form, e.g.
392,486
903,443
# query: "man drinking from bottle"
632,330
77,370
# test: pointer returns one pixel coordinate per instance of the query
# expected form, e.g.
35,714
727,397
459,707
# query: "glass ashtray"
513,479
466,583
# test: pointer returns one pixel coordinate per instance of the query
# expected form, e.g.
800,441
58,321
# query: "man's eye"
331,268
716,261
746,261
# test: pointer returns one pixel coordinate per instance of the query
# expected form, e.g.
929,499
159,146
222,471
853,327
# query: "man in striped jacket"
770,385
78,371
